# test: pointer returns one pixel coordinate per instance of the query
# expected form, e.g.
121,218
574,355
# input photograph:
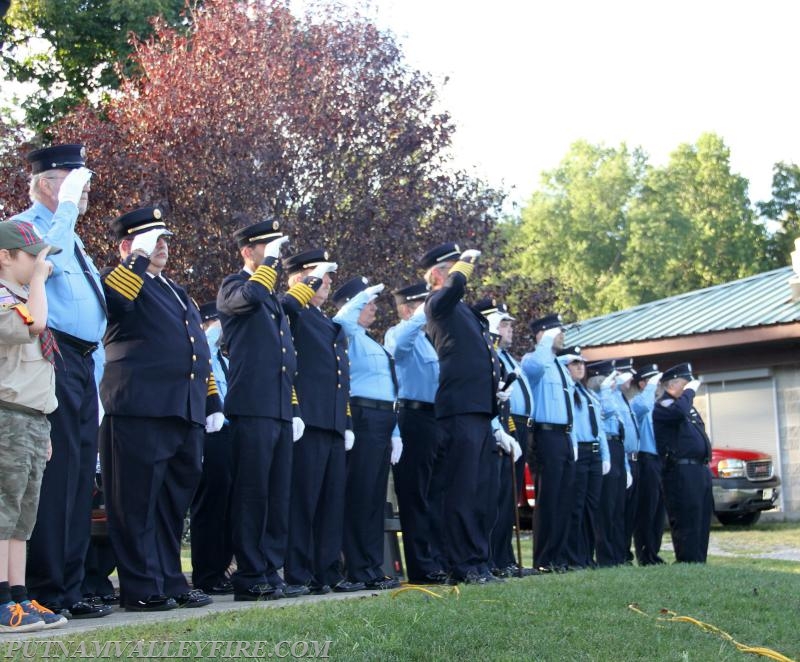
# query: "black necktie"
391,368
88,274
223,362
592,412
566,391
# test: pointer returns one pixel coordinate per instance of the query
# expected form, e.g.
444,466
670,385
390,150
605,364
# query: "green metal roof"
760,300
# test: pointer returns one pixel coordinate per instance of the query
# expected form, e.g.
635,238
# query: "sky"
526,78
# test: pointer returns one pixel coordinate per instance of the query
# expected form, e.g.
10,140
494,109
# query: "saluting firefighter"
419,475
466,402
373,403
685,451
159,395
263,409
510,430
316,505
554,455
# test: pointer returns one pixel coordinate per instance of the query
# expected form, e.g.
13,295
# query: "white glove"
606,466
575,452
516,450
397,449
298,427
349,439
146,242
694,385
655,379
374,290
72,187
552,333
273,248
504,441
503,396
324,268
624,378
608,381
628,480
470,255
214,422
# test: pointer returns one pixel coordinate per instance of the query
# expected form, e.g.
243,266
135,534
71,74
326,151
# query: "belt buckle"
567,429
634,456
395,406
595,447
529,423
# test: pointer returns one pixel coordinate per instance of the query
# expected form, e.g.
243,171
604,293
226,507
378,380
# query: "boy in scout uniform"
27,395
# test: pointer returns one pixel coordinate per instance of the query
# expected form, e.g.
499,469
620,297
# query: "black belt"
374,404
688,460
83,346
614,437
414,404
558,427
633,457
595,445
522,421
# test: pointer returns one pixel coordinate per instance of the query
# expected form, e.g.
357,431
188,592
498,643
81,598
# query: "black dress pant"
502,548
631,505
365,494
470,505
610,535
687,495
649,525
212,546
586,503
419,485
262,469
151,467
60,539
316,509
555,474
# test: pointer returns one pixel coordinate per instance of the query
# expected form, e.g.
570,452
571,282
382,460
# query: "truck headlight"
732,468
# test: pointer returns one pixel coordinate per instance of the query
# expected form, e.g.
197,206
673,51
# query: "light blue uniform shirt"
517,400
582,425
626,417
542,371
611,418
642,406
213,334
415,360
370,373
71,302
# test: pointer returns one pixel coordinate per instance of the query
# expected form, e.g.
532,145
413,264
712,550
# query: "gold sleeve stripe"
24,313
349,413
295,401
302,292
266,276
512,427
212,385
124,281
463,268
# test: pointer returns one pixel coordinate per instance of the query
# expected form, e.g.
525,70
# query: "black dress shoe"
474,578
222,587
257,592
193,598
152,603
348,587
89,610
110,599
294,590
382,584
319,589
491,579
437,577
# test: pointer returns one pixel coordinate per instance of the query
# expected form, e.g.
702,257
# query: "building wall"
788,395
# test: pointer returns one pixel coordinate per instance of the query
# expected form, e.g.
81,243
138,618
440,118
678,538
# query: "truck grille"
759,470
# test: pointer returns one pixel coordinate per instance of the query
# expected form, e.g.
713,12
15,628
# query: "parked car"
743,482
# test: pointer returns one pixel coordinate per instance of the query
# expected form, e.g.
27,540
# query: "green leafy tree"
784,209
574,231
693,225
71,49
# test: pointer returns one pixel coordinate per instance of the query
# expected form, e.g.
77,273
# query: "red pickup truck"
743,483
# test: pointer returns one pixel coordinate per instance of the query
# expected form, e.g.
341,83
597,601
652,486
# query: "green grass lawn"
576,616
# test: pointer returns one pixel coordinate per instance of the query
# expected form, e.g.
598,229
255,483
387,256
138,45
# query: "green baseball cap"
22,235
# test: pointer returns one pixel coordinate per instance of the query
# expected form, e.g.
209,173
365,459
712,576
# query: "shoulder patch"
7,299
666,402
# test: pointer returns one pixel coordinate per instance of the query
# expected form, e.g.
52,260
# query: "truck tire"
739,519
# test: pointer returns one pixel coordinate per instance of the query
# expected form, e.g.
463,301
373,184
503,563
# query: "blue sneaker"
50,618
13,618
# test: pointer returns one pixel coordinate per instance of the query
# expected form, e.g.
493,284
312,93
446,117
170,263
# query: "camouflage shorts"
23,454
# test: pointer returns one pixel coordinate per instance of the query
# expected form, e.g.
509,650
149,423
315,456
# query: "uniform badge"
83,153
156,213
326,255
275,225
